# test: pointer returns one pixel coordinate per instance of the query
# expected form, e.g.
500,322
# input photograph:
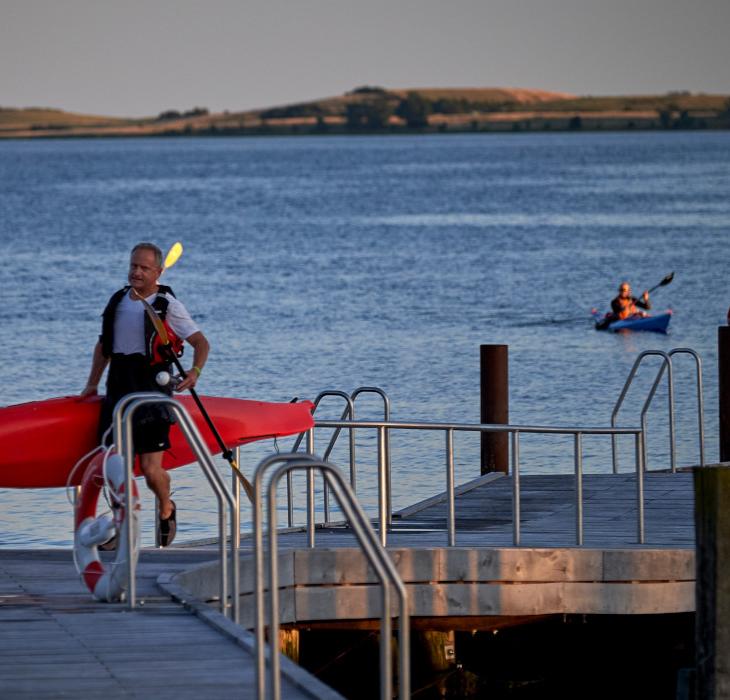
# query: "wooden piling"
289,643
494,373
712,621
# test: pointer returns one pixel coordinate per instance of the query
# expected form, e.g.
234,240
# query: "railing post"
516,508
640,468
310,492
451,525
578,488
382,487
494,391
236,488
723,366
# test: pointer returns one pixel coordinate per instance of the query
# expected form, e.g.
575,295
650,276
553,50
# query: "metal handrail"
386,439
376,555
516,431
122,422
349,412
666,364
700,396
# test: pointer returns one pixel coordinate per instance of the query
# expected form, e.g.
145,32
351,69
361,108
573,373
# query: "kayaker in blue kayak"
625,305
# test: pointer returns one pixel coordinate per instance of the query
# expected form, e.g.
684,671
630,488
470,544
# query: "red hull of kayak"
41,441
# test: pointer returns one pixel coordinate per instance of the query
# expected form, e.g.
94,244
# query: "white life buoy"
107,584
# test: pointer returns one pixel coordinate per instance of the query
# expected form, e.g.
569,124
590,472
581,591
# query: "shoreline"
502,123
277,131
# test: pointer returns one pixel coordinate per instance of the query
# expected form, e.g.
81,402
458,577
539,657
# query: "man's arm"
201,348
644,302
98,365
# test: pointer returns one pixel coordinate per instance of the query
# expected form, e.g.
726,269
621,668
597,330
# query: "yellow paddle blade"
173,255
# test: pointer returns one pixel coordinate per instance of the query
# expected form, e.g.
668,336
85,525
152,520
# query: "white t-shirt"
129,323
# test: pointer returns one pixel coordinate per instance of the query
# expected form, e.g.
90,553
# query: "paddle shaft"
663,283
227,453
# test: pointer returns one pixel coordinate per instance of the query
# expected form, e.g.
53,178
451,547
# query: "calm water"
316,263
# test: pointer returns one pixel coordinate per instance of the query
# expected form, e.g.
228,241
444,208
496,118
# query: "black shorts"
151,423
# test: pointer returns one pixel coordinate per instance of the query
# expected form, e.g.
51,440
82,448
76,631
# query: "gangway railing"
122,422
348,413
516,431
375,554
666,364
386,441
700,396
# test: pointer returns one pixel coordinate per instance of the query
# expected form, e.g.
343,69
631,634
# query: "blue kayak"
658,323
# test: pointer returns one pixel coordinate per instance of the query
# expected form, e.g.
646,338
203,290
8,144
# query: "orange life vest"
627,307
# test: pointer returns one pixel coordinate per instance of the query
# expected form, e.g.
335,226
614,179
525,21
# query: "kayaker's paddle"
173,255
663,283
170,259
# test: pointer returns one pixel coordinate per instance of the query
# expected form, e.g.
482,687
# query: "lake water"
335,262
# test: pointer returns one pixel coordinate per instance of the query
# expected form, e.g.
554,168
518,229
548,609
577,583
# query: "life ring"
107,584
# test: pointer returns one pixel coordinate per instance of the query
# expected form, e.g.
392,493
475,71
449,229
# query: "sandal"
168,528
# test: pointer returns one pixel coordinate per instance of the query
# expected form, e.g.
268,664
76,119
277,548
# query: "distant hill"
45,117
376,109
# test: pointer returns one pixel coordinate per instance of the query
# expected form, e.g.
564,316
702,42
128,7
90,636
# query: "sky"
141,57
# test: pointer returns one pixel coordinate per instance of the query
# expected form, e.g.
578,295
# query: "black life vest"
154,349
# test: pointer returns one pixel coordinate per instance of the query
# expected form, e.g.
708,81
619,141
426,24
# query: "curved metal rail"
122,422
384,438
666,364
349,412
376,555
700,396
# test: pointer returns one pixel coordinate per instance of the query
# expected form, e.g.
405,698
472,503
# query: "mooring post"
723,389
712,588
494,373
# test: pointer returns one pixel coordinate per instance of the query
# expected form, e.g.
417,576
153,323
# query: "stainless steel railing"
700,396
348,413
122,423
665,365
516,431
385,439
375,554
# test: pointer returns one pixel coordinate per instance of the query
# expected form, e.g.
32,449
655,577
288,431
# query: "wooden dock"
56,641
485,576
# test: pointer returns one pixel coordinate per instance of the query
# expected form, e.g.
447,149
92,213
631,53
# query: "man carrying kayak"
129,345
625,305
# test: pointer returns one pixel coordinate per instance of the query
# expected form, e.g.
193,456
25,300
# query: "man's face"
625,291
143,271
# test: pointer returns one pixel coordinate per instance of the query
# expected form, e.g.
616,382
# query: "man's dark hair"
149,246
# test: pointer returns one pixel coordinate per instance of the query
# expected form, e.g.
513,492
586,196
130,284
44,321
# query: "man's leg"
158,480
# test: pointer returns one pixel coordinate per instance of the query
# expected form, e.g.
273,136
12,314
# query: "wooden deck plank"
55,641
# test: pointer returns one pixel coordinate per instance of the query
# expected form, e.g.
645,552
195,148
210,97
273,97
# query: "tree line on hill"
174,114
372,108
377,105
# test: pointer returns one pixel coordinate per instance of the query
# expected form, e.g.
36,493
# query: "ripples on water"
316,263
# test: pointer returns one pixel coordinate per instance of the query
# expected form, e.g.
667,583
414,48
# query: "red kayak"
41,441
